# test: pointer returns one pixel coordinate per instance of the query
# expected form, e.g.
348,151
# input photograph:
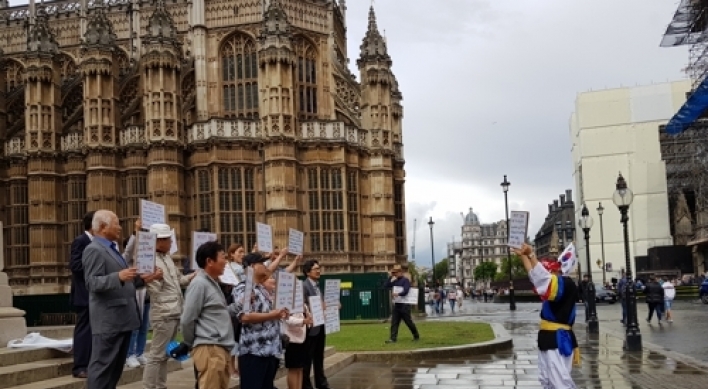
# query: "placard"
264,237
145,253
151,213
411,298
331,320
229,276
198,239
331,296
173,247
296,241
299,301
316,311
248,290
518,228
285,290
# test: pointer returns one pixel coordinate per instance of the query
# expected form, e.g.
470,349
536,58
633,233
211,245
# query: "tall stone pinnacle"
373,46
41,38
161,27
99,31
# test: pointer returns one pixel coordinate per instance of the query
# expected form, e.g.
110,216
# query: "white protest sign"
151,213
145,253
411,298
331,296
264,237
316,311
198,239
518,228
331,320
248,290
173,247
299,302
284,290
229,276
296,242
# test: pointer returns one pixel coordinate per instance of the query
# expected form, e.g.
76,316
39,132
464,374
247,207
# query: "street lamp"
622,198
586,224
512,303
600,211
432,249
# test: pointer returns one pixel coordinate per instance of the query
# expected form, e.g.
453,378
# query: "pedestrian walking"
669,295
452,299
401,311
654,298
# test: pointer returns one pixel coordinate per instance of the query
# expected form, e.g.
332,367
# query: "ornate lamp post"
432,249
600,211
512,303
622,198
586,224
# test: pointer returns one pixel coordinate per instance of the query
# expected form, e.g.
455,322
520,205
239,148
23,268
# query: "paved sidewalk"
605,365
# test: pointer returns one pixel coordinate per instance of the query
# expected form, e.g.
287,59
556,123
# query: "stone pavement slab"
605,365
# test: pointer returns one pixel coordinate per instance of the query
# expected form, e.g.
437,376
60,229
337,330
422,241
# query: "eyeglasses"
315,268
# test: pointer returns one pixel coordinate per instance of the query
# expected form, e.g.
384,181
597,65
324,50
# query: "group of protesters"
226,338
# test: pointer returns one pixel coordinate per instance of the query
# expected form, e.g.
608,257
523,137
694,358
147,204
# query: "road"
685,335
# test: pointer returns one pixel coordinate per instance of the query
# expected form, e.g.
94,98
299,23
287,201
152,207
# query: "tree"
517,269
485,271
416,277
442,270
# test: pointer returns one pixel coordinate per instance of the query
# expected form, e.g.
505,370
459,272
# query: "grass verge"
371,337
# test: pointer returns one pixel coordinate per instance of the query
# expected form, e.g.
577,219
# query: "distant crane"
415,224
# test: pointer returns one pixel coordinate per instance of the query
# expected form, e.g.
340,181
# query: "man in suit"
113,308
80,300
316,337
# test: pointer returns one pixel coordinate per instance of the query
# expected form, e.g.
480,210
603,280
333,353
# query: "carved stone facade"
228,113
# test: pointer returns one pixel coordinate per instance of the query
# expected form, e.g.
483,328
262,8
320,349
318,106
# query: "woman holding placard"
296,350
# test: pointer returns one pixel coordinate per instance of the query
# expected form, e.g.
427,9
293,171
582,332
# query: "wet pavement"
690,323
604,362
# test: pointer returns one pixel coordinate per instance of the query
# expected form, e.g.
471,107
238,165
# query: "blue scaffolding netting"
690,111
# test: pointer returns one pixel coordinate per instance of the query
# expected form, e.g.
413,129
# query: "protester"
112,305
205,317
138,339
316,337
166,310
401,311
260,343
557,345
296,349
80,300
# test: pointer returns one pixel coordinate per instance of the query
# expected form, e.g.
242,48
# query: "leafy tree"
517,269
442,270
416,277
485,271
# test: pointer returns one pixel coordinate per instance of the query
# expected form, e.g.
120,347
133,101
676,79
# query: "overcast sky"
489,86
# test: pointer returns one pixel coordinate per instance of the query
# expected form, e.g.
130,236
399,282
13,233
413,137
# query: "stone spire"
275,20
41,38
374,45
99,31
161,27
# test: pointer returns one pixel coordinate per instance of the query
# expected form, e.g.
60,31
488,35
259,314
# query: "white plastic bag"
34,341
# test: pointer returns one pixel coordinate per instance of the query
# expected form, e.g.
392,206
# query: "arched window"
306,79
239,77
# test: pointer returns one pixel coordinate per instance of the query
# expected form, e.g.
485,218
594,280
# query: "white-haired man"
113,308
167,301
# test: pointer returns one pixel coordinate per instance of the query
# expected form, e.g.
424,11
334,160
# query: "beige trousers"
212,363
155,373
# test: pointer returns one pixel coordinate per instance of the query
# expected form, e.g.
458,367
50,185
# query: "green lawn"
371,337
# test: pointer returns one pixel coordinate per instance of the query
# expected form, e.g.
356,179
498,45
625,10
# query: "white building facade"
613,131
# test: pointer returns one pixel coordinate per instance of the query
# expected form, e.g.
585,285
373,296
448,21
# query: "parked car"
604,294
703,292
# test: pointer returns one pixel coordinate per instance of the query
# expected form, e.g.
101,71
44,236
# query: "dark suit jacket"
79,296
112,303
309,290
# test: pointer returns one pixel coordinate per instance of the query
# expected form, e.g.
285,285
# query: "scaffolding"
686,152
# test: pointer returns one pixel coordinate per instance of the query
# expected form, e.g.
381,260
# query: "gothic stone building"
227,112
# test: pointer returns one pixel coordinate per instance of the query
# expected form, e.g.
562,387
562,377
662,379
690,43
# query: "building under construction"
684,140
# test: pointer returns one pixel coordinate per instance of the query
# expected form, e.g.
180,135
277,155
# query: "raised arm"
547,286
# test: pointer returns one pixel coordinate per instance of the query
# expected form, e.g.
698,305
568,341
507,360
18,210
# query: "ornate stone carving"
41,38
99,31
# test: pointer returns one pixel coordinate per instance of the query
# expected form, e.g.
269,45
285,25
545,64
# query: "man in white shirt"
669,295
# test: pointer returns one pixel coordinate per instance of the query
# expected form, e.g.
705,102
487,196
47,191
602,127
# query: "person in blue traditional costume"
557,346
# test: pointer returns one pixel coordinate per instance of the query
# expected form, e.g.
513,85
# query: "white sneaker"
132,362
142,360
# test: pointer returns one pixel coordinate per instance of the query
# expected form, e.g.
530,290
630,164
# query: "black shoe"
416,339
390,341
